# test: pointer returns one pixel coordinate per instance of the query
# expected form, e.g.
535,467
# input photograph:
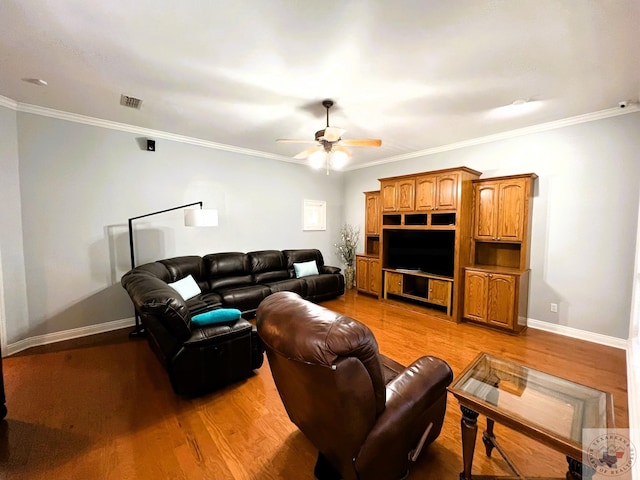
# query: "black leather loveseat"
201,358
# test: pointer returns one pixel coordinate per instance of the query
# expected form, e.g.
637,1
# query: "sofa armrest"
329,269
409,396
152,296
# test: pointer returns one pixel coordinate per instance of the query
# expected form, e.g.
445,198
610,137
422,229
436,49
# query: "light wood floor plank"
102,406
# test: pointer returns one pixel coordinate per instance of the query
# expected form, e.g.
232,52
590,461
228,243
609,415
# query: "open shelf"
441,219
393,219
416,219
372,245
498,254
432,290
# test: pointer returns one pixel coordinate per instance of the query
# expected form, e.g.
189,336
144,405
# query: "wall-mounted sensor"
151,145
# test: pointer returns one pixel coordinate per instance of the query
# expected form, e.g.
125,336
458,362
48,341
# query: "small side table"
551,410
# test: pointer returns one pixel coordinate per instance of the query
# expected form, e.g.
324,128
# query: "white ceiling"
418,74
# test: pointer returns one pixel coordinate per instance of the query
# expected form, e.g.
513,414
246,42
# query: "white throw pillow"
187,287
305,269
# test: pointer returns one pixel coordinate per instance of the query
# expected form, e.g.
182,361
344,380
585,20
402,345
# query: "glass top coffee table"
549,409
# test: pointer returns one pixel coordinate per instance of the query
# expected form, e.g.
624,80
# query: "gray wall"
13,301
585,214
67,190
79,184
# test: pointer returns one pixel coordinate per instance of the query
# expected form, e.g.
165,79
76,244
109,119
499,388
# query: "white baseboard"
130,322
579,334
67,335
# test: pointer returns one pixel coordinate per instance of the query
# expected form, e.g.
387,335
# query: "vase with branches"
346,249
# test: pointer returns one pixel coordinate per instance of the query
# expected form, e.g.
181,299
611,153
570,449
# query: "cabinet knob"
498,238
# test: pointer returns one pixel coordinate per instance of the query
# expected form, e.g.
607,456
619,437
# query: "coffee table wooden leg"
488,438
469,429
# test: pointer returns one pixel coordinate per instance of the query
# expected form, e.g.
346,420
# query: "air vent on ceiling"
131,102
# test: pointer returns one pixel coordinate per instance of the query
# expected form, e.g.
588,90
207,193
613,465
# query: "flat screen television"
429,251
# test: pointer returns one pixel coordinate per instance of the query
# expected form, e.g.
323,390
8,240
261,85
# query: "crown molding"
124,127
7,102
541,127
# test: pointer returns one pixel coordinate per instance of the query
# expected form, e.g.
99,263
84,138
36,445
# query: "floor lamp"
203,217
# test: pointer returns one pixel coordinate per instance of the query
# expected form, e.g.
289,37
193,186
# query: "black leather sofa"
202,358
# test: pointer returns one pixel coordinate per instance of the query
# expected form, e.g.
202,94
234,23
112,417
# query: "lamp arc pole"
138,328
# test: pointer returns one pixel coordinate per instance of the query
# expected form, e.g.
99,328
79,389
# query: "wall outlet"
554,307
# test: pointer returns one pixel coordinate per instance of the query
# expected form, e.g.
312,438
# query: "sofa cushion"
186,287
156,269
219,315
323,286
180,267
302,255
268,266
204,302
297,285
245,299
226,270
305,269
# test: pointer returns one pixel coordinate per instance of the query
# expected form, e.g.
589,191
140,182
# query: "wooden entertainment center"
452,243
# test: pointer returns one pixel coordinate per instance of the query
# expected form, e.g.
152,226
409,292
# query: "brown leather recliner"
365,413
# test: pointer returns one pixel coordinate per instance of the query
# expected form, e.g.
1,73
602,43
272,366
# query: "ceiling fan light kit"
330,150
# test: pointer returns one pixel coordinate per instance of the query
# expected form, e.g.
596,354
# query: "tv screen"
429,251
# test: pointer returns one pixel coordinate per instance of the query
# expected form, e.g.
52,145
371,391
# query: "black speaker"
151,145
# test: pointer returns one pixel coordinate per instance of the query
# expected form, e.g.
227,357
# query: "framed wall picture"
314,215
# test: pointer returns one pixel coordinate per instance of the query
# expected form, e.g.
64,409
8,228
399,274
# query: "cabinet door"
388,194
475,295
486,211
447,192
406,190
373,274
372,213
393,283
439,292
361,273
511,210
426,192
501,300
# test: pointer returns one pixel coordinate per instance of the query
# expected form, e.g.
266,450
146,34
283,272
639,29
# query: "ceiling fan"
330,146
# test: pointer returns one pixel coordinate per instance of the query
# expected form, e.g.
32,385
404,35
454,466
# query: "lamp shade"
201,217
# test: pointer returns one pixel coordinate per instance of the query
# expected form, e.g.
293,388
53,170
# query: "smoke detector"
131,102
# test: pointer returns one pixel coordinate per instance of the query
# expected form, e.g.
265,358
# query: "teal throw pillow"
215,316
305,269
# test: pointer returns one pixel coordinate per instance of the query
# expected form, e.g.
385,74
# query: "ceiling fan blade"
361,142
333,134
292,140
307,152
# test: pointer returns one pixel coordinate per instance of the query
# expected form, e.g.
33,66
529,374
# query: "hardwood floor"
102,407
